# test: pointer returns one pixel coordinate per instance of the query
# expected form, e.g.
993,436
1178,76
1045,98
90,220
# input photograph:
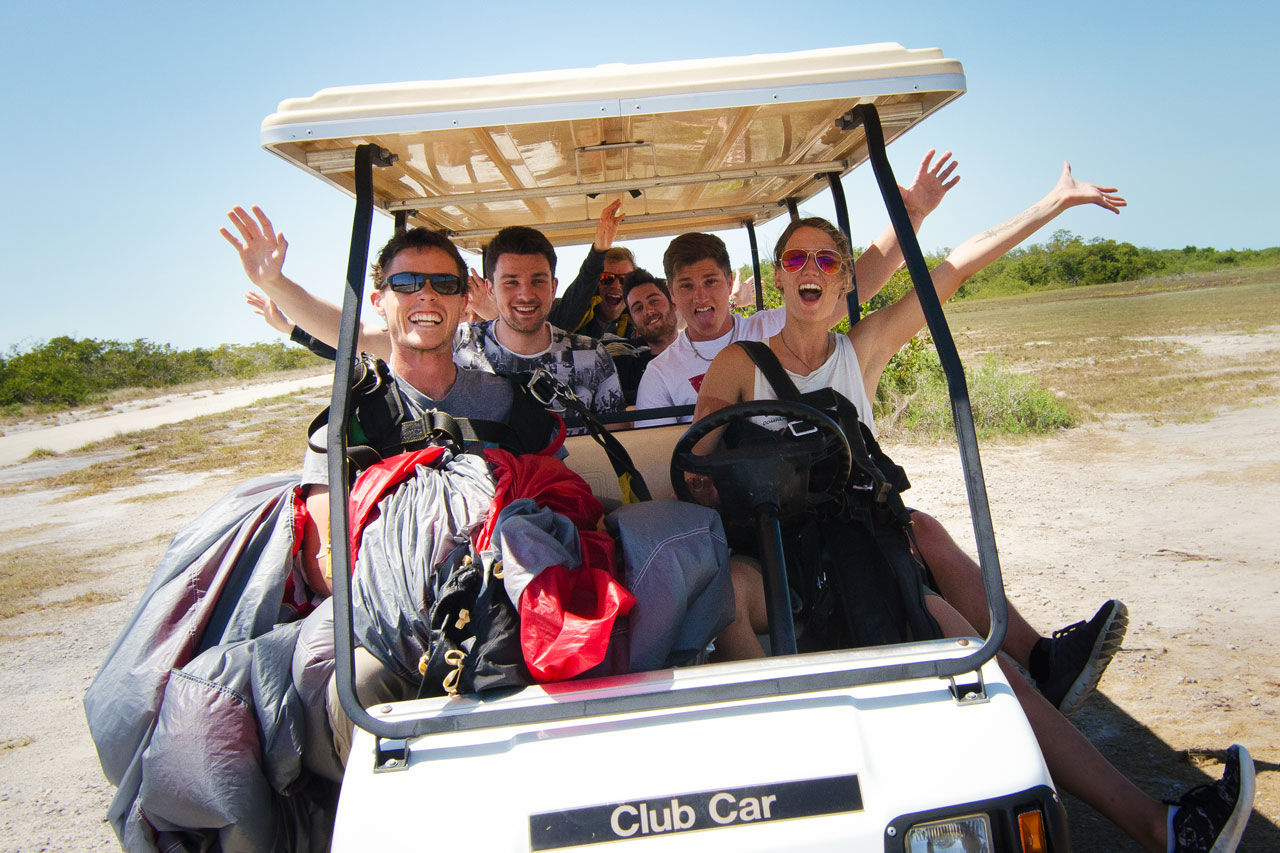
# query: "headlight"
964,834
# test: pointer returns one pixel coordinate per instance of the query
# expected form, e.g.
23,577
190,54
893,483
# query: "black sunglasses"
443,283
611,277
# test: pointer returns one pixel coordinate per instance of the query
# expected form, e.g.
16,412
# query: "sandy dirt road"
1180,521
17,443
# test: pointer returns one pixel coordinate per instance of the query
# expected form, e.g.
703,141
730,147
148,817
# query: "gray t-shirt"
475,394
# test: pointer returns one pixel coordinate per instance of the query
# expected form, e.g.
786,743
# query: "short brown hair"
416,238
619,253
641,276
693,247
517,240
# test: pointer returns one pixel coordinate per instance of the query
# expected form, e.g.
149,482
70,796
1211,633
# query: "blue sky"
130,128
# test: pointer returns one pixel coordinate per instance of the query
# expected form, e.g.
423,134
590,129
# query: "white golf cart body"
838,750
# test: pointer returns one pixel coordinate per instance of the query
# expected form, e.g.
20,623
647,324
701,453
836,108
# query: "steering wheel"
768,471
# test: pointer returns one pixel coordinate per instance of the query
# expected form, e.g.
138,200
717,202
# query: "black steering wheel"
776,472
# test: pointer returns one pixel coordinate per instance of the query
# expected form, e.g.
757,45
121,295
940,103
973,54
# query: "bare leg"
1074,762
960,582
738,641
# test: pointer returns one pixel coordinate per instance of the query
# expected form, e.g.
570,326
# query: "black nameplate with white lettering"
693,811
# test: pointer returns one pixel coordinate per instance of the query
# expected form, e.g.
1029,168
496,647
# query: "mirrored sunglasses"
443,283
828,261
611,277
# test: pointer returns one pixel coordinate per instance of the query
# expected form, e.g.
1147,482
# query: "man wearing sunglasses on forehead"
701,281
593,304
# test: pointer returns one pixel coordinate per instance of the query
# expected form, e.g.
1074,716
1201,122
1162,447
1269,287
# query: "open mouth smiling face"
809,285
424,320
523,287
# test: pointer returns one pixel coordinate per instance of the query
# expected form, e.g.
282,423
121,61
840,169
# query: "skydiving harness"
859,581
380,427
588,318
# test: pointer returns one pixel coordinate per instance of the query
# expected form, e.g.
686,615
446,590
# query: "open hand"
1075,192
263,250
269,311
607,228
933,181
742,291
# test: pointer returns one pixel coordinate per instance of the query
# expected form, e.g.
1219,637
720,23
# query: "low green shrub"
913,398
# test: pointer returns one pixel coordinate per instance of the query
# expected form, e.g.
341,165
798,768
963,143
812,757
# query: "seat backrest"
650,450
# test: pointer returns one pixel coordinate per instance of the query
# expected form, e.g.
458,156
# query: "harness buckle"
793,427
545,388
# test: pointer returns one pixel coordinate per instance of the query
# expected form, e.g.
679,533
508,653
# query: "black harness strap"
546,389
380,428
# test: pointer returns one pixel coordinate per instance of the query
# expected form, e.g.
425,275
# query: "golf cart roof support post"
755,262
340,554
988,559
793,209
402,219
842,219
782,629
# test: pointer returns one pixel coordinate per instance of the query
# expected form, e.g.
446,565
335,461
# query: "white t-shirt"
675,375
840,372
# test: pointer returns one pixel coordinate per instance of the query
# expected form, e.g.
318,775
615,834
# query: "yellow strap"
624,484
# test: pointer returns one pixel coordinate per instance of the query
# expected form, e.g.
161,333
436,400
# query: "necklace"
733,334
826,353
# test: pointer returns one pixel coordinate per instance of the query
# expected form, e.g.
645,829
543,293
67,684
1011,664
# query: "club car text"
694,811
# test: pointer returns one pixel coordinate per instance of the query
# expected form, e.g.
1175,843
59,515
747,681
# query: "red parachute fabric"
548,481
566,616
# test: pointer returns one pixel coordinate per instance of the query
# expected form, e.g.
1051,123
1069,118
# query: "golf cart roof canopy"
700,145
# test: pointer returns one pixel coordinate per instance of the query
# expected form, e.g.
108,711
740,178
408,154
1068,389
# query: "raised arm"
262,256
884,332
883,257
572,306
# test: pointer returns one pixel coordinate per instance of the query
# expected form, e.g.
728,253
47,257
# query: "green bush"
65,371
913,397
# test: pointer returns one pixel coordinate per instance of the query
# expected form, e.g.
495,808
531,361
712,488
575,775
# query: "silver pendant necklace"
733,335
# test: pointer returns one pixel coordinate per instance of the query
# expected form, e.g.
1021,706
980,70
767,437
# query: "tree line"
1067,260
66,371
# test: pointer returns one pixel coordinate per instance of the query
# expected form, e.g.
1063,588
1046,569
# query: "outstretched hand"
742,291
1075,192
263,250
933,181
607,228
269,311
479,301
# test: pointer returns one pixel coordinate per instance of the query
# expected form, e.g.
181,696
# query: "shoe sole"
1105,647
1233,829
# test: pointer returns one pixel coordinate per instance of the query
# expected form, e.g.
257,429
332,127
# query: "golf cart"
913,747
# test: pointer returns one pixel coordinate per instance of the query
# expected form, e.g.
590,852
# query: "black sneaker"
1211,818
1079,654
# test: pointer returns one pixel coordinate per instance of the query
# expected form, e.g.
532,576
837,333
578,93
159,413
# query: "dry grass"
27,574
1164,349
126,395
266,437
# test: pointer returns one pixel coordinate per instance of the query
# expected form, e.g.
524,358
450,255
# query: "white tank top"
840,372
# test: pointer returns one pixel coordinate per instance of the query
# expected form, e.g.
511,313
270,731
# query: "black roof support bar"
348,338
962,412
755,263
842,219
